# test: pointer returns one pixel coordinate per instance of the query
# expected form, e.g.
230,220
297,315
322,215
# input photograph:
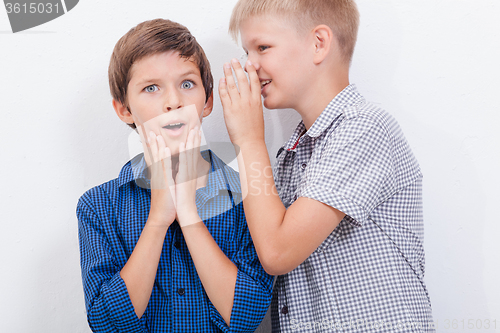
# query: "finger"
254,81
224,94
196,151
161,147
167,167
197,142
145,146
231,83
161,158
190,152
153,146
182,164
243,85
189,140
157,177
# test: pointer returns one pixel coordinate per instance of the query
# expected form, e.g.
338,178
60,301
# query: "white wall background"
432,64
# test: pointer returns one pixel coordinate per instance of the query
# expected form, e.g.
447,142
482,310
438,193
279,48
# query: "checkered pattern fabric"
368,274
111,217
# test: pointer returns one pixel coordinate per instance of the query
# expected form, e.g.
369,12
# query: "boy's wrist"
250,145
188,217
159,220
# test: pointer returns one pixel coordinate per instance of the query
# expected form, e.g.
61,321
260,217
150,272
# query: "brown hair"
149,38
342,16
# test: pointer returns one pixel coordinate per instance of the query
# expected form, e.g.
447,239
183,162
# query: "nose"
172,100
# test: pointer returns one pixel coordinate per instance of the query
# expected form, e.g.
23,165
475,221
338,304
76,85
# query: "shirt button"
181,291
177,244
284,310
303,166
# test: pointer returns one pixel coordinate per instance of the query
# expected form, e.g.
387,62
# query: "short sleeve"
354,171
252,294
108,305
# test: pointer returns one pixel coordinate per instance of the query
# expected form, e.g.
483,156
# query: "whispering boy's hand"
243,111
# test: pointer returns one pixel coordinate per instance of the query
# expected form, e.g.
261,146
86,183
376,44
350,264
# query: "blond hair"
341,16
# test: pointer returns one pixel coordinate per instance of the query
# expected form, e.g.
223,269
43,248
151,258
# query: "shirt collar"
340,104
135,169
220,177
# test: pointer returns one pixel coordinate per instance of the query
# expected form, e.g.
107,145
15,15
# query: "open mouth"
174,129
174,126
264,83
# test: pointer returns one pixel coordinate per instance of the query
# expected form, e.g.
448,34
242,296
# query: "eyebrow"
254,41
155,79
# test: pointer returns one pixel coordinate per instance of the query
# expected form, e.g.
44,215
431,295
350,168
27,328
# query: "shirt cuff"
250,303
114,309
345,205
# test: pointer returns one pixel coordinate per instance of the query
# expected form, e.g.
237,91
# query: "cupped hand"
242,108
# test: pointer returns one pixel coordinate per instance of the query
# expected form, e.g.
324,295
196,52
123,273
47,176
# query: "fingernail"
227,65
223,80
234,60
249,63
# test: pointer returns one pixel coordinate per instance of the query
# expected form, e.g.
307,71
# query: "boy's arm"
220,277
283,238
140,270
217,273
240,294
107,302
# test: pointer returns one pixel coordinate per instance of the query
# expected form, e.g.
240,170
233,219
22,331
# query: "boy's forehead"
169,59
262,26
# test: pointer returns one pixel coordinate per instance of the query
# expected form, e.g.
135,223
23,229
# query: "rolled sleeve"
354,175
252,293
108,305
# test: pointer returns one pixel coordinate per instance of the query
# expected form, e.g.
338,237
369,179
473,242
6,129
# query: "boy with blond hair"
165,246
341,221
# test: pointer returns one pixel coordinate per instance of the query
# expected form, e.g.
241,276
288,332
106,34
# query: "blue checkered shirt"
368,274
111,217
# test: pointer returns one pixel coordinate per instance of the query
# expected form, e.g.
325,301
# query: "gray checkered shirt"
367,276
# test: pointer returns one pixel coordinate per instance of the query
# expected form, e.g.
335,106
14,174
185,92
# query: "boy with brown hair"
341,221
165,247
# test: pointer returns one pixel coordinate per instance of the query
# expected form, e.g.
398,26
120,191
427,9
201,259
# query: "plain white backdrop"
432,64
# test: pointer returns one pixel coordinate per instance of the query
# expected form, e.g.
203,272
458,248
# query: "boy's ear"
123,112
323,40
207,109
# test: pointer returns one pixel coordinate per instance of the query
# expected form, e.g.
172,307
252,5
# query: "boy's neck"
326,80
319,96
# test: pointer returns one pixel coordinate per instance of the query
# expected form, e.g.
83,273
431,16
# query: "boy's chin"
268,104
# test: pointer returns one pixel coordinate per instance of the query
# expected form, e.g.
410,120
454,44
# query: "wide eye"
152,88
187,85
